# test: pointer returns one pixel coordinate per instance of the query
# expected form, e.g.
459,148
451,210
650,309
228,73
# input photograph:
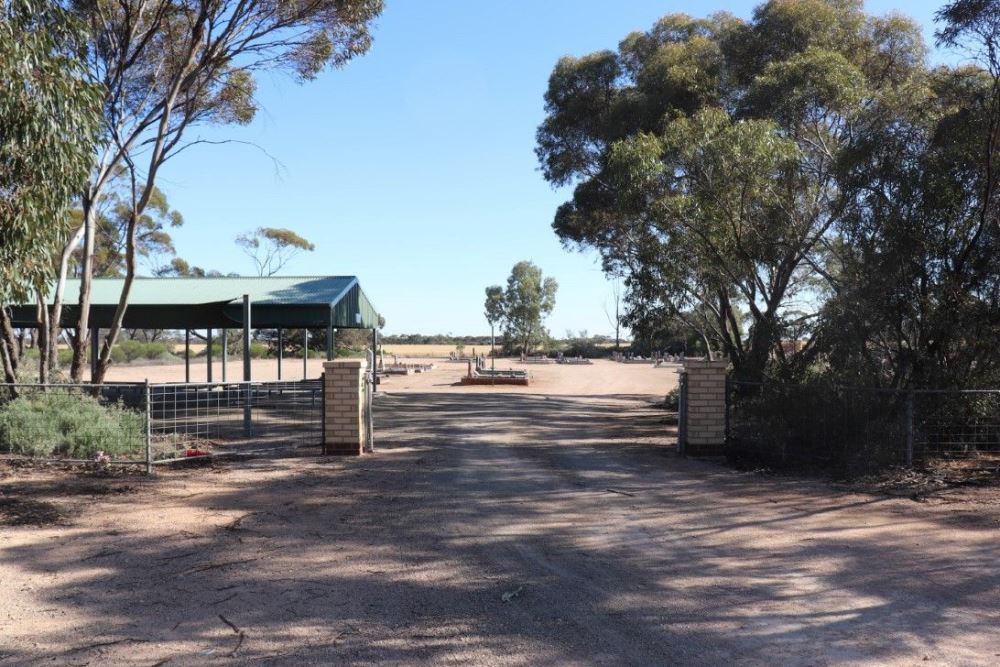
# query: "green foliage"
522,307
582,345
128,351
673,399
55,423
271,248
48,129
707,160
152,240
494,306
168,67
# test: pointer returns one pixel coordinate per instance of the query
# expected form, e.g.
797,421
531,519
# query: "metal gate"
368,394
191,418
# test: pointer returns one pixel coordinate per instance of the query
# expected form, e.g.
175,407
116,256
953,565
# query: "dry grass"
429,351
196,348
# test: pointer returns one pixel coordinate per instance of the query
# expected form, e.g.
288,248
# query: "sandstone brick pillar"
343,410
704,412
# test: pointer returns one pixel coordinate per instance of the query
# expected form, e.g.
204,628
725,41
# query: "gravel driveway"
491,529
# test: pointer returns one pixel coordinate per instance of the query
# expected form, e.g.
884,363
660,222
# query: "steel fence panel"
858,428
74,423
190,419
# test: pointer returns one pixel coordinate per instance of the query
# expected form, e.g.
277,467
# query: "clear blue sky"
413,168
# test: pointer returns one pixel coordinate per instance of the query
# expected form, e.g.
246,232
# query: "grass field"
430,351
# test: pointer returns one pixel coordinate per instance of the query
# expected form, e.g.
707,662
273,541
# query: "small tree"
494,313
272,248
525,303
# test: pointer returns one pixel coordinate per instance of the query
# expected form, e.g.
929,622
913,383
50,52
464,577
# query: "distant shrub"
258,350
53,423
673,399
127,351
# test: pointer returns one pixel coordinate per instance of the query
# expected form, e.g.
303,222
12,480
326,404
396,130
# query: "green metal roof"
300,290
197,303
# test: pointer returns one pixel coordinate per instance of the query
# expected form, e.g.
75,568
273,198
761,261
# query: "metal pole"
493,355
329,341
374,360
208,355
246,337
281,350
305,353
247,415
225,352
94,335
187,355
149,426
909,428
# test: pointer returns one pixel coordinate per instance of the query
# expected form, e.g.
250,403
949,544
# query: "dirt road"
492,529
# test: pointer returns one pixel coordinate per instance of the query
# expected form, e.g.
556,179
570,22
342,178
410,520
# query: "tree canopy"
522,306
800,175
49,123
271,248
166,67
49,119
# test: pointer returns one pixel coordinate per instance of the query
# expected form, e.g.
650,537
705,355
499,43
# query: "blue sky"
413,167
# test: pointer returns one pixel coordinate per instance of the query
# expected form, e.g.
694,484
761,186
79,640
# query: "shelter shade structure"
247,303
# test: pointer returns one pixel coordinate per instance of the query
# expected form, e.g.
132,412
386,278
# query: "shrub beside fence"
74,422
854,430
140,423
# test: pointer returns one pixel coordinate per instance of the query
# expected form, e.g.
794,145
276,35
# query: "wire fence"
193,419
75,423
858,429
141,423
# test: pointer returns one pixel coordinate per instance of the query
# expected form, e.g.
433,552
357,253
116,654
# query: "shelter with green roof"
304,302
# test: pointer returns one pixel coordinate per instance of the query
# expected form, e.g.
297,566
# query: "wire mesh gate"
190,419
859,428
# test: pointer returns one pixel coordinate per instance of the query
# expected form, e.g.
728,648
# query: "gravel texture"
492,529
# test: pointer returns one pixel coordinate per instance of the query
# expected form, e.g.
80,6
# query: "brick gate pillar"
343,406
705,410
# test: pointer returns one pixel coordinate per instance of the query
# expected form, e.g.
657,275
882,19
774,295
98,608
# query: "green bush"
54,423
134,350
673,399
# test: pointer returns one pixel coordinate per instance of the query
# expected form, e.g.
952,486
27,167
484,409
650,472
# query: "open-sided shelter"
247,303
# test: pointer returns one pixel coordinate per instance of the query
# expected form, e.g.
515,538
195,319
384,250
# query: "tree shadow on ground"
511,529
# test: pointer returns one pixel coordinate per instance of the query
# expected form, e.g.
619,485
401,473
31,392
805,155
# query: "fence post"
682,404
149,428
728,408
248,410
909,428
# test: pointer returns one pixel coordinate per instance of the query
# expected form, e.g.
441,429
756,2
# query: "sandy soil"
493,529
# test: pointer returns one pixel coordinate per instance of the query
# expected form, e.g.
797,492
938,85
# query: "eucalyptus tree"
918,299
493,309
705,154
272,248
167,66
49,120
527,300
